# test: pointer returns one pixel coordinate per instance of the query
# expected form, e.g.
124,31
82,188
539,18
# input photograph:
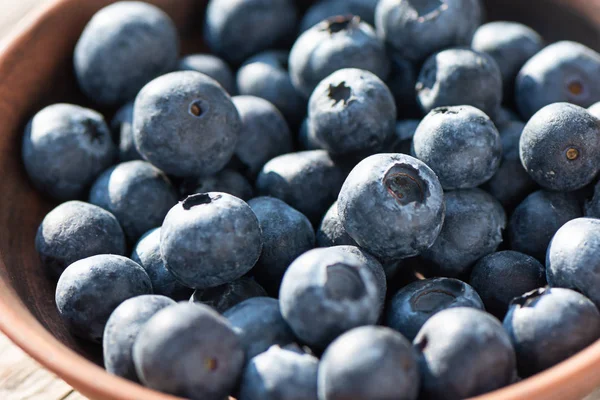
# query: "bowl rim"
574,376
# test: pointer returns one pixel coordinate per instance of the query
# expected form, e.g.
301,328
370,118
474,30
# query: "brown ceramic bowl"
35,70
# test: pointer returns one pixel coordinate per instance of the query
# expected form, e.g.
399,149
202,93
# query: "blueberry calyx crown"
429,9
529,298
198,199
341,22
406,185
344,282
338,93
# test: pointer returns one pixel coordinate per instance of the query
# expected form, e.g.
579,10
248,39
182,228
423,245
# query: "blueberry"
464,352
65,147
286,233
324,9
392,205
510,44
266,75
369,363
472,229
415,303
306,137
335,285
547,326
122,128
124,46
594,109
123,327
75,230
537,218
457,77
291,177
236,30
259,325
227,295
210,239
90,289
572,260
331,232
511,183
352,111
502,276
592,205
185,124
336,43
264,134
189,350
562,72
280,374
560,147
147,253
405,131
226,181
137,193
402,81
460,144
416,28
212,66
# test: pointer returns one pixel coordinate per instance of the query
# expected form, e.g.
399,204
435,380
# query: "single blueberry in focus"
286,233
392,205
90,289
124,46
331,232
185,124
549,325
416,302
147,253
122,329
212,66
369,363
226,181
464,352
65,147
122,128
325,9
227,295
405,131
210,239
189,350
75,230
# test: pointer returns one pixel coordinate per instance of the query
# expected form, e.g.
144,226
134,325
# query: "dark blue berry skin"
334,284
331,232
286,233
547,326
337,43
352,111
123,47
65,147
511,183
189,350
416,29
236,30
264,134
227,295
415,303
226,181
266,75
325,9
259,325
560,147
461,76
392,205
594,109
562,72
472,229
369,363
291,177
572,260
505,116
464,352
147,253
122,128
460,144
502,276
592,205
402,81
75,230
306,137
405,130
510,44
186,124
137,193
122,329
210,239
537,218
90,289
212,66
280,374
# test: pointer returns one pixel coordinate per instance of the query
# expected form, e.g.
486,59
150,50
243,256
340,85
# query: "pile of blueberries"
395,129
